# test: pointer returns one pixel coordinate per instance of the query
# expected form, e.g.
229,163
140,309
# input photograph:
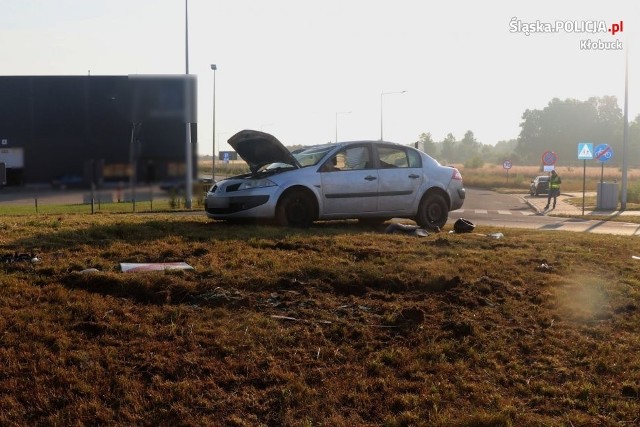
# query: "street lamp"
213,135
189,150
381,95
339,112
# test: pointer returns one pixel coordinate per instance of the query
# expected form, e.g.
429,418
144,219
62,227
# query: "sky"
308,70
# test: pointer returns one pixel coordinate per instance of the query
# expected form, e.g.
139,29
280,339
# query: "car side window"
393,157
415,161
352,158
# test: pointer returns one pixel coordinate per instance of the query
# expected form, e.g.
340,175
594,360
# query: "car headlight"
256,183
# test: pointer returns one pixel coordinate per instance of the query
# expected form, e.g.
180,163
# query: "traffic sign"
549,158
603,152
585,151
507,164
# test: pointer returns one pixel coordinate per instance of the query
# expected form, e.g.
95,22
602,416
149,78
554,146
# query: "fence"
44,200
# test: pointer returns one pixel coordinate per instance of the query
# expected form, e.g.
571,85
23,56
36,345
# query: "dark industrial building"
101,129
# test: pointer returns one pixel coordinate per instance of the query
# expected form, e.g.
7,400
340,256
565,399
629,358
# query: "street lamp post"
213,135
339,112
381,117
189,150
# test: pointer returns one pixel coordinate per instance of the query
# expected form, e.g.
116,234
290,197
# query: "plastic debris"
463,225
19,257
413,230
292,319
496,235
154,266
545,267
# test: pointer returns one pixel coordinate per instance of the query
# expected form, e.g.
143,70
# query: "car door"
349,182
400,176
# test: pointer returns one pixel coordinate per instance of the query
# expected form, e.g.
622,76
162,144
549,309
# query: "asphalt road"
488,208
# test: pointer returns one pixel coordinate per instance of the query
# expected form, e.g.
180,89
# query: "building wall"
66,124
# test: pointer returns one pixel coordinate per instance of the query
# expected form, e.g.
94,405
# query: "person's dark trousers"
552,193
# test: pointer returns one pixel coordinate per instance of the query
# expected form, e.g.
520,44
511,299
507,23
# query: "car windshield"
312,155
306,156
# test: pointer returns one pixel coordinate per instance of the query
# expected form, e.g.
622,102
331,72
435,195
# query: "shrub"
474,163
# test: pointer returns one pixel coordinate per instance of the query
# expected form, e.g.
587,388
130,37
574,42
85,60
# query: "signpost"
506,165
585,152
549,159
604,153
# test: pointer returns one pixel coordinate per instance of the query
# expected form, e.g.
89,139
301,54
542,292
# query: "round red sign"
549,158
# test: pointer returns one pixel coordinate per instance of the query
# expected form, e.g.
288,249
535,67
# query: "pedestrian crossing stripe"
484,211
585,151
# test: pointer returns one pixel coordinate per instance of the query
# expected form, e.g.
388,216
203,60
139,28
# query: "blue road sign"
603,152
549,158
585,151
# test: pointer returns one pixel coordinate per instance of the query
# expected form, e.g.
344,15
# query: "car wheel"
296,209
432,212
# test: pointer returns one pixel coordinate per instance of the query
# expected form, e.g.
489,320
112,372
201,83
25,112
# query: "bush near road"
337,325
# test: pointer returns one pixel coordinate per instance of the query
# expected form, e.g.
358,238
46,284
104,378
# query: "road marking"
501,212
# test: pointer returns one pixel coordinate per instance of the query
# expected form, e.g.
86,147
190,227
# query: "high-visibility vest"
554,182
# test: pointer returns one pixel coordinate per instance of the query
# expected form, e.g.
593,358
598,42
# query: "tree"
427,144
503,150
562,124
468,148
448,148
634,142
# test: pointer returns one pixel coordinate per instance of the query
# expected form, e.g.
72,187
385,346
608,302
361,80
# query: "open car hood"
259,149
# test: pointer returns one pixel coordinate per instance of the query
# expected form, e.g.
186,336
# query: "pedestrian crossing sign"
585,151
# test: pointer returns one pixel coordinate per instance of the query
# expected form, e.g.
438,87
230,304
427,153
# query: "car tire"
295,209
433,211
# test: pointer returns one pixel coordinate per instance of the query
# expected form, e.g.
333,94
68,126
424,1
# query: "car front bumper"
250,204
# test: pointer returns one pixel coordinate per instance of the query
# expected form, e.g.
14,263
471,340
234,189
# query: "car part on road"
413,230
463,225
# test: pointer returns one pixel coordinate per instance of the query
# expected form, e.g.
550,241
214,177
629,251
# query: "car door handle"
370,178
414,176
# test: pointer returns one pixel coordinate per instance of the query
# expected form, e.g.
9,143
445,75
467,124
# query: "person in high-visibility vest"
554,188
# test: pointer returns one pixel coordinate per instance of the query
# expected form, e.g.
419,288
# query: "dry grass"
338,325
494,176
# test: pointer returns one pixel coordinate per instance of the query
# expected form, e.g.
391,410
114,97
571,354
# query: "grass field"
494,176
337,325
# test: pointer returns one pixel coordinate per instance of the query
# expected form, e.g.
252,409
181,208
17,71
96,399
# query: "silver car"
371,180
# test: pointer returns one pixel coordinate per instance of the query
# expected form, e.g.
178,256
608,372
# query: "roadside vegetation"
493,176
336,325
